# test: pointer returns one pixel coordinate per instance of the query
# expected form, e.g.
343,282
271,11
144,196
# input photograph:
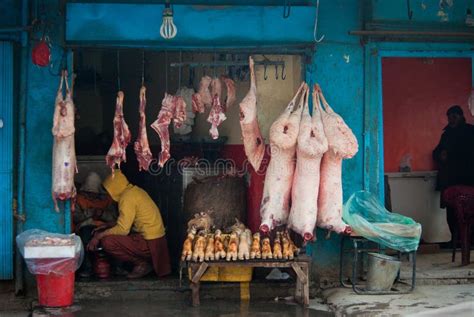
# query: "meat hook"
409,10
276,72
287,9
315,31
180,70
283,74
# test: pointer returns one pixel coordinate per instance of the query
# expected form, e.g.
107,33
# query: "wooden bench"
301,266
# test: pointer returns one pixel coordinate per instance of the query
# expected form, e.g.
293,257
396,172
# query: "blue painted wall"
7,125
347,71
42,87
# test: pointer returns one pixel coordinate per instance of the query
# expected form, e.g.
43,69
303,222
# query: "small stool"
356,250
460,199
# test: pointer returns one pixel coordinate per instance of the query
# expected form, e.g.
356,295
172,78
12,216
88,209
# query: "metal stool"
356,250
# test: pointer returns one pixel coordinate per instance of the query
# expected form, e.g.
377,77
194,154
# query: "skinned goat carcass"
275,205
141,146
254,145
312,144
122,137
203,97
216,115
342,145
64,164
230,87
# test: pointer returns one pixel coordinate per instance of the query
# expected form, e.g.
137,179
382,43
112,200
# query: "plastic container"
55,290
101,265
53,258
382,271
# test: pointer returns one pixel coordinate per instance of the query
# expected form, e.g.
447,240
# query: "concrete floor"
344,302
437,269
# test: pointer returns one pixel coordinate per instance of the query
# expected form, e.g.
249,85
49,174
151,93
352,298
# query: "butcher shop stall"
186,121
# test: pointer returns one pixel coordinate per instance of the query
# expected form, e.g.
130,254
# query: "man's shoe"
140,270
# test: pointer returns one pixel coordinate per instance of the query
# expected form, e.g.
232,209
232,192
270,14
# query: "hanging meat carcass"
122,136
230,87
179,116
186,94
312,144
251,135
64,164
202,98
172,107
342,145
141,146
275,205
216,115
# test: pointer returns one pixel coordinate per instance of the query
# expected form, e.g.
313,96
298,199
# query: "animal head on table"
238,227
202,220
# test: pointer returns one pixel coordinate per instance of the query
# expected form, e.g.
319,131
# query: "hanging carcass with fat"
275,205
254,145
342,145
312,144
64,164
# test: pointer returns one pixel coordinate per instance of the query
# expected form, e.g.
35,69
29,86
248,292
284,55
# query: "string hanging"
118,70
143,68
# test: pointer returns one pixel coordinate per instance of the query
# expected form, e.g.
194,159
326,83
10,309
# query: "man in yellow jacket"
138,236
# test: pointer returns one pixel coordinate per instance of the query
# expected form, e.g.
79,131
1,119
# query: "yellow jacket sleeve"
125,219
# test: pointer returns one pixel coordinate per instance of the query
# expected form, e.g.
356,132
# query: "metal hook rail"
226,64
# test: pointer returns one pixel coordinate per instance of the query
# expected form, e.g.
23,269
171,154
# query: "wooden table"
301,266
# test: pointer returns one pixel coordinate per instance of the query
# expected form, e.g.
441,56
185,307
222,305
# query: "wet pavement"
208,308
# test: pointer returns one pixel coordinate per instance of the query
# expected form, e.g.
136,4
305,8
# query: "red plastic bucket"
56,290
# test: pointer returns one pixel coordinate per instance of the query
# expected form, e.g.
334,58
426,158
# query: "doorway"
416,94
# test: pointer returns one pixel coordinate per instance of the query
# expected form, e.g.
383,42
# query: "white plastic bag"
47,252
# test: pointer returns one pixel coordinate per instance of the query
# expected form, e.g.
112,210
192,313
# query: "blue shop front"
121,45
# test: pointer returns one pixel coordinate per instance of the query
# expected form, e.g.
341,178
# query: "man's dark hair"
456,109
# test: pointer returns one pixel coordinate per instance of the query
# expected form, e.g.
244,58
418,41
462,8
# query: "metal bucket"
382,271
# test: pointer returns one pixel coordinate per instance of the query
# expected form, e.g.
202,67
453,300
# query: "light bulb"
168,30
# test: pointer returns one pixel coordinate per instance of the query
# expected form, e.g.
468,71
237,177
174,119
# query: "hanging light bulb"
168,30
